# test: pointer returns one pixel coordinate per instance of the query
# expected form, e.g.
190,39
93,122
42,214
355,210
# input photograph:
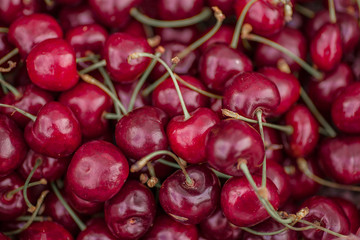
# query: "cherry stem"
284,128
332,13
9,55
153,181
73,215
91,80
26,114
111,116
93,67
49,3
304,11
10,194
323,229
249,230
239,23
87,58
303,166
4,30
256,38
11,66
36,219
31,207
143,161
149,55
146,92
204,14
33,216
358,5
309,103
259,117
11,88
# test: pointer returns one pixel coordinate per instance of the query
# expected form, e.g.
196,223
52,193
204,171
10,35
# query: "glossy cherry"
117,49
350,211
223,35
70,16
96,230
45,230
131,212
10,10
273,145
240,203
55,132
233,140
190,203
179,9
185,35
124,92
165,96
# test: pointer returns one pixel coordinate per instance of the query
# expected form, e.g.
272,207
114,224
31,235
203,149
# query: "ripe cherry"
124,92
70,17
96,230
350,211
273,145
226,6
223,35
185,35
10,10
45,230
179,9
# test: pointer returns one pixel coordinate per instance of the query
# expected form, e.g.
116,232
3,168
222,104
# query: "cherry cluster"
179,119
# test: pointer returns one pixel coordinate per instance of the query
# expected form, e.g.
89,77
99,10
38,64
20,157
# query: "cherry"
131,212
232,140
165,96
28,31
273,145
117,49
179,9
185,35
328,214
223,35
13,147
190,202
345,109
31,99
135,29
240,203
165,227
288,86
350,211
124,92
3,237
290,39
45,230
10,10
55,132
89,104
187,137
226,6
305,134
96,230
217,227
97,171
220,62
70,17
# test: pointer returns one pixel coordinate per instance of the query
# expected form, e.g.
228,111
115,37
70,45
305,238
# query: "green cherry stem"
259,117
4,30
11,88
26,114
332,13
9,55
10,194
323,229
112,116
203,15
249,230
36,219
28,203
87,58
93,67
304,11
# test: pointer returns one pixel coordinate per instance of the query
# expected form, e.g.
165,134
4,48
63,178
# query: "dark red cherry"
288,86
249,92
273,145
179,9
135,29
325,48
297,21
345,110
3,237
220,62
89,104
226,6
240,203
113,13
142,132
265,17
184,35
131,212
11,208
13,147
217,227
187,137
328,214
28,31
216,106
190,203
55,132
305,136
70,16
32,100
223,35
165,227
96,230
87,38
233,140
124,92
324,92
340,159
5,48
45,230
350,211
166,98
291,39
10,10
117,49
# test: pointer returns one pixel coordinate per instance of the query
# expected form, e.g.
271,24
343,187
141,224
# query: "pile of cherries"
179,119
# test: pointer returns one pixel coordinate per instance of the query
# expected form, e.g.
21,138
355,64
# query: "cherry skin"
10,10
166,98
28,31
55,133
217,227
240,203
179,9
142,132
350,211
96,230
288,86
70,17
89,104
131,212
190,203
273,145
223,35
32,100
345,110
135,29
226,6
305,136
117,49
3,237
45,230
184,35
329,214
231,140
13,147
165,227
187,137
124,92
220,62
249,92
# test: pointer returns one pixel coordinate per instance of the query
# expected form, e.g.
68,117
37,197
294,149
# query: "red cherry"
223,35
226,6
70,17
96,230
350,211
184,35
3,237
45,230
179,9
273,145
10,10
124,92
135,29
